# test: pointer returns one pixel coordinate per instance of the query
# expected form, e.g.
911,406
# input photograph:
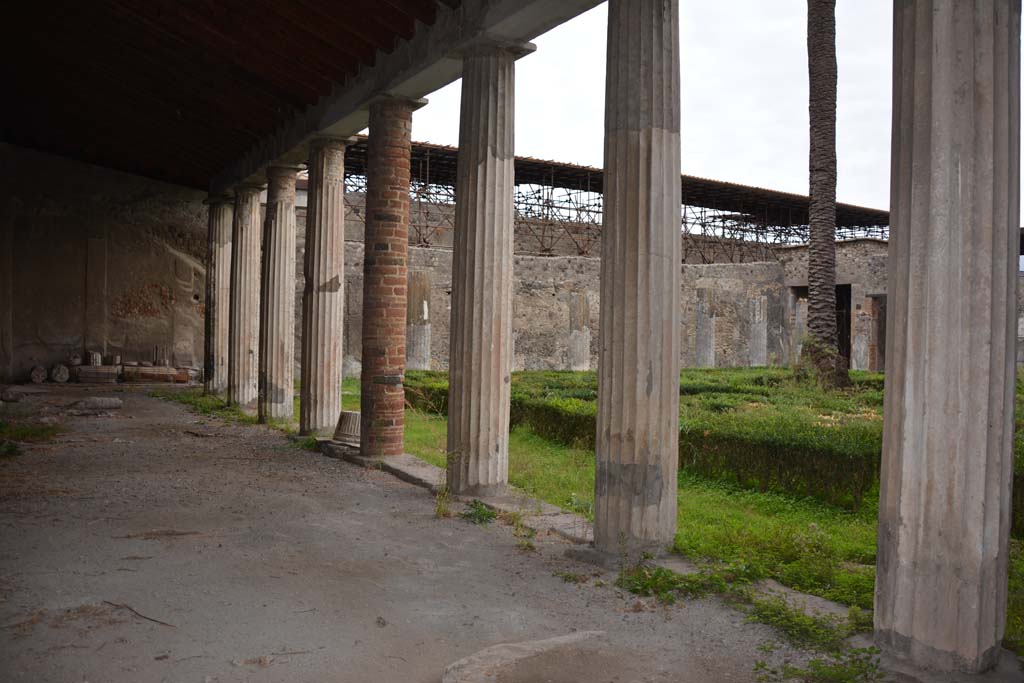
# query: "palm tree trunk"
821,253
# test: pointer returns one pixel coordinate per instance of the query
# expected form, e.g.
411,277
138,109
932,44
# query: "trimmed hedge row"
784,449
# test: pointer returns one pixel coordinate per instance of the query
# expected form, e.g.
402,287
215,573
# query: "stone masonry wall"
96,260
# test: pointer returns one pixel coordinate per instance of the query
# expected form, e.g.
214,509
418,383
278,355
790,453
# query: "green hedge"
754,427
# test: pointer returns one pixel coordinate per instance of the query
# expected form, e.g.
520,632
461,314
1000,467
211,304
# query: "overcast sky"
744,95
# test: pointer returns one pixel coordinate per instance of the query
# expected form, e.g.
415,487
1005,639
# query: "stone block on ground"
499,662
149,374
10,394
520,504
99,374
97,403
574,528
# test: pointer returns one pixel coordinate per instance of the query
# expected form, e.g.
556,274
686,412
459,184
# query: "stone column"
480,358
417,322
579,332
218,295
277,299
323,299
638,367
382,404
243,333
947,452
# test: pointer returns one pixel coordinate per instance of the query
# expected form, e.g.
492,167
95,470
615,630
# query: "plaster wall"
96,260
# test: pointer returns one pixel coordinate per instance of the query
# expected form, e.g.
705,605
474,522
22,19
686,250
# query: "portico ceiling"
207,93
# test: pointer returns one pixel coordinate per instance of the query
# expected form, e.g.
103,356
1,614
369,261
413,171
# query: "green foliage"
205,404
27,431
857,665
9,449
756,427
572,577
804,544
1014,638
821,632
442,502
668,586
478,513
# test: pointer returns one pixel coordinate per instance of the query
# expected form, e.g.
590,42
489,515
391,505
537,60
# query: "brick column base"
384,278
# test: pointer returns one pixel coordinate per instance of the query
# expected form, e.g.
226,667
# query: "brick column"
218,293
323,298
244,330
947,447
382,404
277,299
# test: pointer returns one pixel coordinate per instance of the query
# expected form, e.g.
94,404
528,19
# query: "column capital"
488,43
249,188
384,97
284,168
219,198
337,141
288,171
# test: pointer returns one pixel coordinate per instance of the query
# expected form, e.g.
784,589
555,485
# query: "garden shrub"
755,427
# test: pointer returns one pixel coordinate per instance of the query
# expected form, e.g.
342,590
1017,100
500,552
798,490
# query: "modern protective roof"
437,164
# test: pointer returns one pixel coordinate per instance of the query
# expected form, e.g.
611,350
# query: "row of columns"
944,517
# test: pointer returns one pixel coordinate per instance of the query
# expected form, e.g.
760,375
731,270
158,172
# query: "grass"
27,431
20,427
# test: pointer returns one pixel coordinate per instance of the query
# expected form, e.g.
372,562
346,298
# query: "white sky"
744,95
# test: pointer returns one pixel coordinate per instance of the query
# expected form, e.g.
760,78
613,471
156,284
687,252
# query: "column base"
916,655
483,491
615,561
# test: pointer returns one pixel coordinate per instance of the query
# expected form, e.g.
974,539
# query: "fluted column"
218,295
417,321
382,400
277,299
638,367
323,298
243,333
480,358
947,453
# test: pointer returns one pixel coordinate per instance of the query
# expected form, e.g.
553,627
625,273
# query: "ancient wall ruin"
96,260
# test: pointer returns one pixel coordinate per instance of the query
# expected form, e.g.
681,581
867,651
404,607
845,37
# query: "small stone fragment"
10,395
38,374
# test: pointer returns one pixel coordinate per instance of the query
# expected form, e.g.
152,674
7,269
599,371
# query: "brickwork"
384,278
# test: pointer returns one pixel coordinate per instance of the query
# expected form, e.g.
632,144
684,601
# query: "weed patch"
478,513
857,665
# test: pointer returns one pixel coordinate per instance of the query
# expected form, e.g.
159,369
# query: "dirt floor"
151,544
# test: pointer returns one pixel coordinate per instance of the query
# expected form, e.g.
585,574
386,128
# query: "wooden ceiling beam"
182,20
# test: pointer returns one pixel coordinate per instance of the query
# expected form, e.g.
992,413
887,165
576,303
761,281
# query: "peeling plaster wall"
734,315
96,260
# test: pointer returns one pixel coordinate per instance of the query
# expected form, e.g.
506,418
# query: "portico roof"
207,94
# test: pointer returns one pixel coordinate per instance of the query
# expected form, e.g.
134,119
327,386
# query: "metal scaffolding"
558,210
